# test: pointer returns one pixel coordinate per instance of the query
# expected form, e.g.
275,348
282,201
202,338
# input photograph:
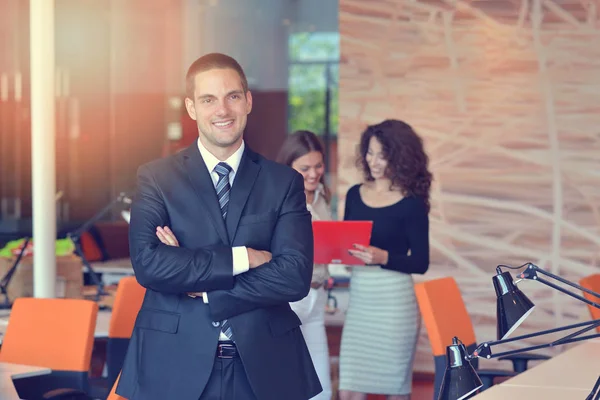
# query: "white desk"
576,368
8,371
102,324
112,270
570,375
506,392
118,265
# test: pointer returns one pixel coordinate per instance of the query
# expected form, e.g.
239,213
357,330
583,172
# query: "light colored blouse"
320,211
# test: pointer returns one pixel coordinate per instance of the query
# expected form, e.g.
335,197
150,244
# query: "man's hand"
258,257
166,236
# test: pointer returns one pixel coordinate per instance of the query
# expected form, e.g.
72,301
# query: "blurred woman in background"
303,151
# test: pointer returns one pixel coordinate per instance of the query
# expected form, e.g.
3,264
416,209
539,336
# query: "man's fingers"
171,235
166,238
161,237
172,240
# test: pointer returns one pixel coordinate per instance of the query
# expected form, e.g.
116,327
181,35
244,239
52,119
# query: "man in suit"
215,322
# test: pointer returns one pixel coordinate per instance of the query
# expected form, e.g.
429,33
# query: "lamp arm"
574,334
532,271
486,352
592,323
484,349
594,394
75,235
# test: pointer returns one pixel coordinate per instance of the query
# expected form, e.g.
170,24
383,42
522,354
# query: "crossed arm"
171,269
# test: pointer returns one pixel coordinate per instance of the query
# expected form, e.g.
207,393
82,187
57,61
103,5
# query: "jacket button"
216,324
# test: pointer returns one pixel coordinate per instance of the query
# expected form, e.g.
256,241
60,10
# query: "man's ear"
248,102
189,106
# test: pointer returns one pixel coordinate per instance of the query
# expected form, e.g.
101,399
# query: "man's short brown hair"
208,62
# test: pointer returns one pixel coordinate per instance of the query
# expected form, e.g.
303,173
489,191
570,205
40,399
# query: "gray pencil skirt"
380,332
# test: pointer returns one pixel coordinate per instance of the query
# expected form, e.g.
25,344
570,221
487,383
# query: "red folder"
333,239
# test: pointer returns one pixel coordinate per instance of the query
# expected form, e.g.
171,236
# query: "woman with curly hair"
383,321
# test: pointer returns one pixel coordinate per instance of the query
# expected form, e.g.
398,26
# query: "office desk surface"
576,368
117,266
8,371
506,392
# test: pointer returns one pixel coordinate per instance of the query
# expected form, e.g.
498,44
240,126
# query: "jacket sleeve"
165,268
417,262
287,277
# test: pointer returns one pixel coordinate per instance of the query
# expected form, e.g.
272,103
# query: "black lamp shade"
513,307
460,379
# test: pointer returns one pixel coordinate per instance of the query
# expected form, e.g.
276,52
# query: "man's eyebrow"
208,96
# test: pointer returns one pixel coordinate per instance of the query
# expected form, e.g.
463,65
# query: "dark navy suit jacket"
172,349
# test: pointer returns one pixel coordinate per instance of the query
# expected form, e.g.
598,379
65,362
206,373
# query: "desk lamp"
75,236
512,308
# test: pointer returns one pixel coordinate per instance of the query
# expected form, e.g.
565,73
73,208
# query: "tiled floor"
422,390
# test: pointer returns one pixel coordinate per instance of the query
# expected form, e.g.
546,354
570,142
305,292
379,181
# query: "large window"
313,82
313,91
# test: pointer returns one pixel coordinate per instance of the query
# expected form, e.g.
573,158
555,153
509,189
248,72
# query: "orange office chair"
592,282
445,316
56,334
128,301
90,247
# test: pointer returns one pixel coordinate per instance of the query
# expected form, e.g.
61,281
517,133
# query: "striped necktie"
223,169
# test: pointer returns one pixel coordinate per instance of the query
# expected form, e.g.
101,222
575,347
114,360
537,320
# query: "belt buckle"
221,347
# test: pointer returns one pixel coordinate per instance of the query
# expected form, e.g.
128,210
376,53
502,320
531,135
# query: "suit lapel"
242,186
203,185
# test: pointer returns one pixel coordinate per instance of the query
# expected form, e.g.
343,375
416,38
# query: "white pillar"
43,146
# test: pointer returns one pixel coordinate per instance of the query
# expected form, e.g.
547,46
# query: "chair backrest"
592,282
113,395
51,333
90,247
127,304
444,314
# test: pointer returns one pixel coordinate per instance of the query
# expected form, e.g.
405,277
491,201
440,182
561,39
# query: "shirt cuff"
204,297
240,260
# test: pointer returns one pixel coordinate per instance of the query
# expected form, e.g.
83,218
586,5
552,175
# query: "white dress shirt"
240,254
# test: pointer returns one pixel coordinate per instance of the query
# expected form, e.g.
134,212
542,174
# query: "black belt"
226,350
